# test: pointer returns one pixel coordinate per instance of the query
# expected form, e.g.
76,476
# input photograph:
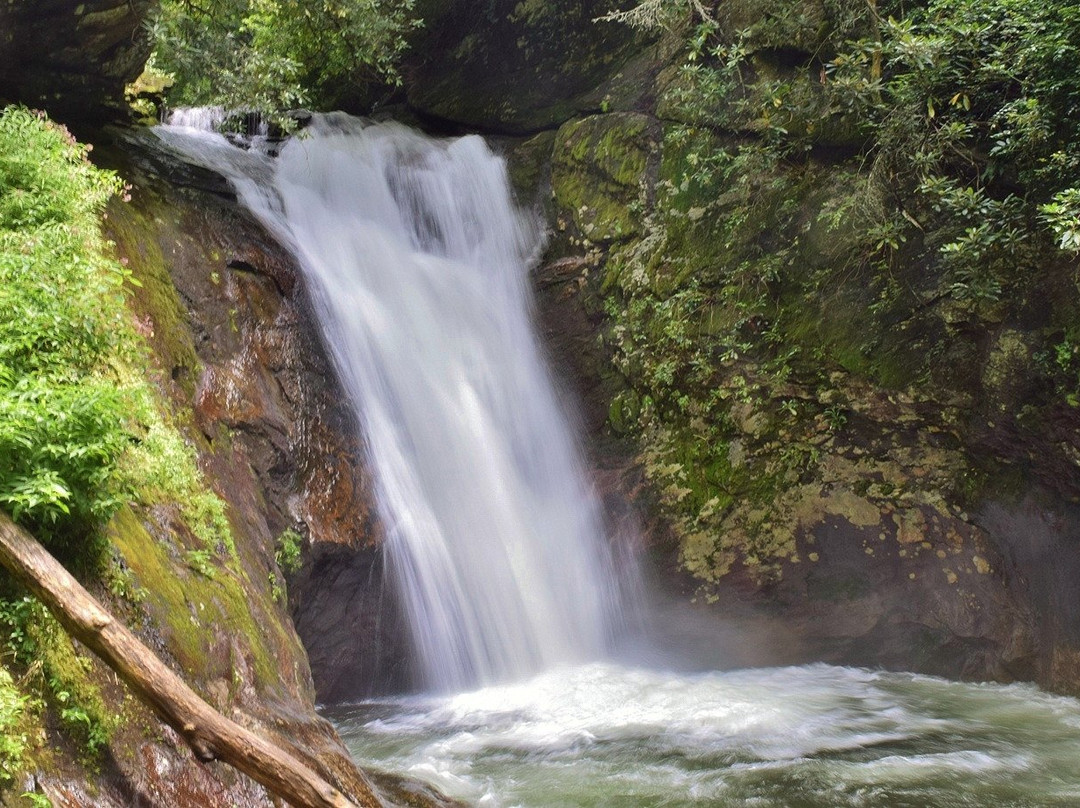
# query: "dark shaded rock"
568,321
518,67
351,623
1042,535
72,58
920,590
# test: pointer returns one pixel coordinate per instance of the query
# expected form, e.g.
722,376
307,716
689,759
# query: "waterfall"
417,259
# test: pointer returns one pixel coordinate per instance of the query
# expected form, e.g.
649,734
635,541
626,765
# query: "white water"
417,260
203,119
814,736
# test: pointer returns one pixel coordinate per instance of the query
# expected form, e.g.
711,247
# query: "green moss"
624,411
194,607
777,24
527,163
178,600
1009,357
54,674
160,314
599,172
163,466
73,692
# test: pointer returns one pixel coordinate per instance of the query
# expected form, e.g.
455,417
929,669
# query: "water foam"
816,736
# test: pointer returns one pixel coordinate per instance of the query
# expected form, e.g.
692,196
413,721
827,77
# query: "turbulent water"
807,737
417,260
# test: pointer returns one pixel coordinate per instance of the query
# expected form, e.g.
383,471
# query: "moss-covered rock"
600,173
818,401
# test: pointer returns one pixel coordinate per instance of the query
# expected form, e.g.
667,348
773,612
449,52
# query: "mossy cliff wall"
263,391
822,425
237,356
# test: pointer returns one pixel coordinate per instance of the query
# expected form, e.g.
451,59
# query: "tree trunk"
210,735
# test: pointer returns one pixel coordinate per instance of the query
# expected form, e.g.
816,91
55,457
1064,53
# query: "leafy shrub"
977,98
287,553
1063,216
81,432
62,415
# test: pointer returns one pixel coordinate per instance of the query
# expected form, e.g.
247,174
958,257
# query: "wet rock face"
264,391
1043,537
347,613
72,57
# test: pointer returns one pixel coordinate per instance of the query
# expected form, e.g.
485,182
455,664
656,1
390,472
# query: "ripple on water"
801,737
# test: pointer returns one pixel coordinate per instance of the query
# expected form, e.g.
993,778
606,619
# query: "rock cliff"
831,441
233,350
72,58
827,441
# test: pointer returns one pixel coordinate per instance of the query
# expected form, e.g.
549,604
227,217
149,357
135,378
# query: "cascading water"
417,259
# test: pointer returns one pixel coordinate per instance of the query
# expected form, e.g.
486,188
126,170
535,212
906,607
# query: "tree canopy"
278,54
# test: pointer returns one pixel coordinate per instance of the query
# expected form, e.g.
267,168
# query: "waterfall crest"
417,260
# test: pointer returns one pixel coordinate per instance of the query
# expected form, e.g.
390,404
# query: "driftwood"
210,735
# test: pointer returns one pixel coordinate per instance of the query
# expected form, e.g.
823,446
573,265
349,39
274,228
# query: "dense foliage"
976,118
62,415
277,54
848,193
81,432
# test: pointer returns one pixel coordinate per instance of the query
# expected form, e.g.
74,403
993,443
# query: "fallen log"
210,735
